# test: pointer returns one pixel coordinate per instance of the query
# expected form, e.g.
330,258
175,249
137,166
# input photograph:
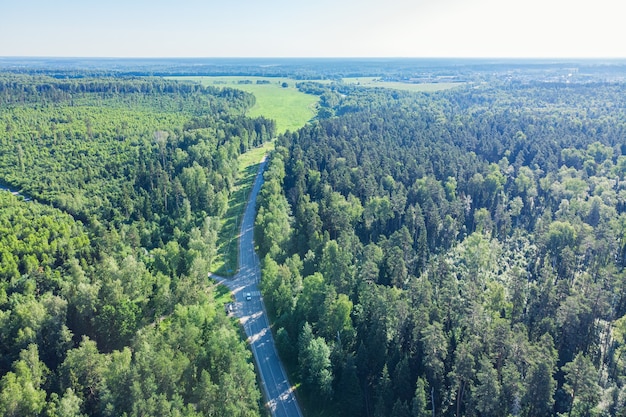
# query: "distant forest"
390,69
461,251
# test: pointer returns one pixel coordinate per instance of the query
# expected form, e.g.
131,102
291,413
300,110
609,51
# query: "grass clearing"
225,263
422,87
222,295
290,108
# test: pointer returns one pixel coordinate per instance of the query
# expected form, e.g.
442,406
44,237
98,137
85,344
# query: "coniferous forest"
462,251
105,308
447,253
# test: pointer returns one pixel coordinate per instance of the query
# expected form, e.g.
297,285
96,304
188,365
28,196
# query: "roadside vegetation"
460,251
105,306
457,250
276,99
226,260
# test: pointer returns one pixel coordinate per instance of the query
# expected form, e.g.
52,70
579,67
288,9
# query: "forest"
449,253
458,253
410,70
105,306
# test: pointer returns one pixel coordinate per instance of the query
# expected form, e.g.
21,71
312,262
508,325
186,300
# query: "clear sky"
321,28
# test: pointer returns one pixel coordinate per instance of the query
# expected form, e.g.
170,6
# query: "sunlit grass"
226,260
290,108
222,295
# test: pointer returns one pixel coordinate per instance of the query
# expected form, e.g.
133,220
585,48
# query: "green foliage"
581,383
290,108
21,392
314,363
105,308
273,214
474,234
119,152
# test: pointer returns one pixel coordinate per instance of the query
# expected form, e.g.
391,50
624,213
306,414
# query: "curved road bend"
276,387
14,192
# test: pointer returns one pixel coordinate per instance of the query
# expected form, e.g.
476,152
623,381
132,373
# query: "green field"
423,87
290,108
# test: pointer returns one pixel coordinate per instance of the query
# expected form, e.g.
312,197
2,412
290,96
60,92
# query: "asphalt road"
14,192
277,389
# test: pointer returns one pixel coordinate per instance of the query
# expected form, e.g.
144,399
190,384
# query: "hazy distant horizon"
326,28
555,59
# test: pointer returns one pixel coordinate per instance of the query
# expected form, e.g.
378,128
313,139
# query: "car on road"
248,296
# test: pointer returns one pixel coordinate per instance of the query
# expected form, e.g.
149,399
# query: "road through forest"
251,313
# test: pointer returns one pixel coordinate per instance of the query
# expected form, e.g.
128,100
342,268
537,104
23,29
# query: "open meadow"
290,108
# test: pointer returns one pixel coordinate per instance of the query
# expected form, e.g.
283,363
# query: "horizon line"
560,58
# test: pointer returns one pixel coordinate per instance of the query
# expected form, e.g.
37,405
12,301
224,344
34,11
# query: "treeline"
105,308
23,89
401,69
461,251
89,333
121,165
